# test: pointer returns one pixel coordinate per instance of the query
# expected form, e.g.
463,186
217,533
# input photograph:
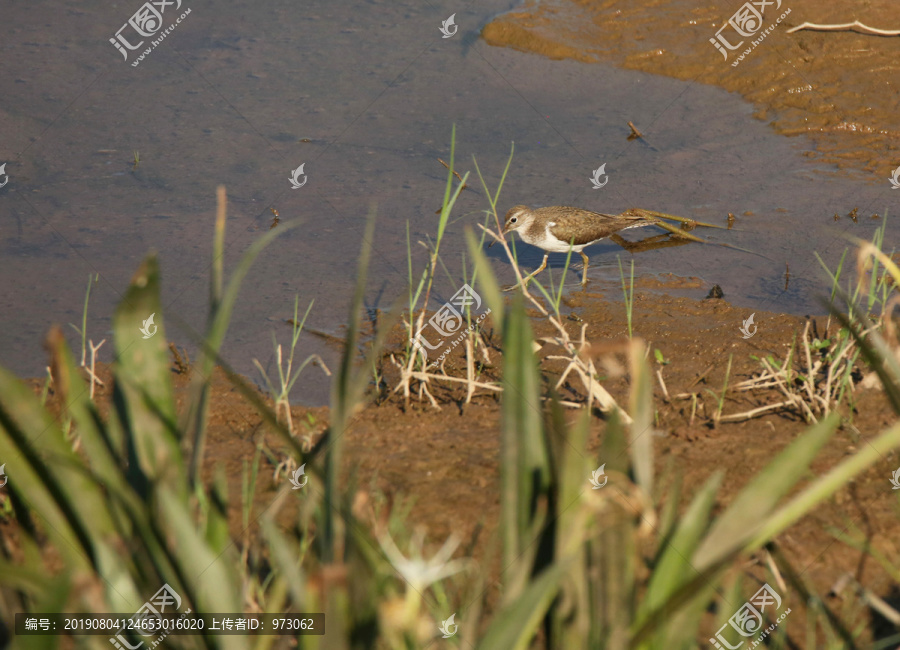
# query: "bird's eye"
514,219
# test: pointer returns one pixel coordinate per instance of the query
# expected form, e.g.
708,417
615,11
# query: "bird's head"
517,217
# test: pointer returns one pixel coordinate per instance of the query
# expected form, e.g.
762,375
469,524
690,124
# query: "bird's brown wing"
587,227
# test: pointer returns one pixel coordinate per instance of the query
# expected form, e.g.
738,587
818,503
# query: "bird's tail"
637,221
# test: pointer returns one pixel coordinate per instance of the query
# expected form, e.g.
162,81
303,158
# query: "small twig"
765,380
470,369
455,173
502,241
662,383
181,365
810,417
94,377
752,413
774,569
430,375
855,26
700,377
634,132
331,338
810,368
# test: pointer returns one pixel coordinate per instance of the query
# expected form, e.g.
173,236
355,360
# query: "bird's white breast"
552,244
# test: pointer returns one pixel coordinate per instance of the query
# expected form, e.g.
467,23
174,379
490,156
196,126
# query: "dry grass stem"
470,369
662,383
579,360
752,413
94,377
855,26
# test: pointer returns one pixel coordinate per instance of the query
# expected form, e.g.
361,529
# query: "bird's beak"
502,232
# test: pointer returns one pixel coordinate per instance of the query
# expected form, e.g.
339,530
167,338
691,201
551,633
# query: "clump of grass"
720,399
821,374
415,354
814,382
287,376
628,292
415,365
82,331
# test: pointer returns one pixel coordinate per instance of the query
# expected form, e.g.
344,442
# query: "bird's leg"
584,273
539,269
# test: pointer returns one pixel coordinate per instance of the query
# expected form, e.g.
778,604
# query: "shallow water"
231,94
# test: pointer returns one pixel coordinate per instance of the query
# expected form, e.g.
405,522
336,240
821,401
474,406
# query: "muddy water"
836,87
364,95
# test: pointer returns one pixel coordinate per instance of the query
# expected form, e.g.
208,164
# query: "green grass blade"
44,472
749,511
514,627
673,565
145,402
525,468
869,454
347,390
487,281
213,342
210,578
641,406
878,355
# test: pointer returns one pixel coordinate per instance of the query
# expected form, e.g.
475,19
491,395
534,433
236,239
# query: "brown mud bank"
838,88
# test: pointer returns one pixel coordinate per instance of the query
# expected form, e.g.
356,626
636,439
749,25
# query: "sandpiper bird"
558,227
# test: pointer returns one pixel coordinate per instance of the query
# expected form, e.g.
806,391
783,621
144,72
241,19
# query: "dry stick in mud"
634,132
855,26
